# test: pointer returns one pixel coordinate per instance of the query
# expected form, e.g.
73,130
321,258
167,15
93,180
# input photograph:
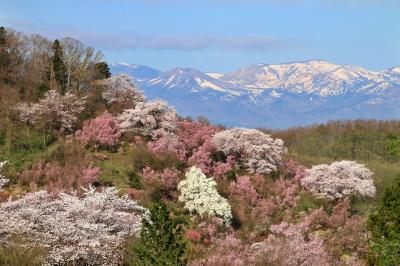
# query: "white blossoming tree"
3,179
84,231
200,195
339,179
120,88
147,118
259,152
53,111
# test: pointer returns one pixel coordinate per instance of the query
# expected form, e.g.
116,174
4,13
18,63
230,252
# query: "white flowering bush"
84,231
200,195
54,110
3,179
147,118
120,88
339,179
259,152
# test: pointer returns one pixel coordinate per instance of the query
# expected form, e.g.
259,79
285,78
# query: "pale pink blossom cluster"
149,117
289,244
339,179
103,130
259,152
120,88
85,231
54,110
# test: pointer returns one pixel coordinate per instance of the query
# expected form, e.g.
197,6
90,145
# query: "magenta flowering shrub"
167,179
57,178
91,174
226,252
243,191
101,131
193,144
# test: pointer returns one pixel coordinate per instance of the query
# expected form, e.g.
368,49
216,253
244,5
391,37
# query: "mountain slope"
279,95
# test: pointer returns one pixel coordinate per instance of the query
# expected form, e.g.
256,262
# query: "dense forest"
92,173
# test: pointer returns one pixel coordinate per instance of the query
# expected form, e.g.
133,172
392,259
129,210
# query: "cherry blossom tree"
53,111
200,195
103,130
84,231
339,179
120,88
147,118
259,152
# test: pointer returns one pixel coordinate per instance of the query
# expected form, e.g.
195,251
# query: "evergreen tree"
162,240
59,68
4,57
385,227
102,70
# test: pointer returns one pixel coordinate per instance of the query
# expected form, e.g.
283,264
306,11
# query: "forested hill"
94,173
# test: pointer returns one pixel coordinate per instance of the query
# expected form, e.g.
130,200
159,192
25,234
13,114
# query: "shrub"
103,131
339,179
200,195
88,230
162,240
259,152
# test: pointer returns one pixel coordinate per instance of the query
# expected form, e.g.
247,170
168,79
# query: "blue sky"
220,35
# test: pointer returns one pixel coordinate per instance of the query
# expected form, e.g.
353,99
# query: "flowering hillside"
92,173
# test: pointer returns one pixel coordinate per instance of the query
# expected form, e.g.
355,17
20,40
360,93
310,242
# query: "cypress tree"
162,240
59,69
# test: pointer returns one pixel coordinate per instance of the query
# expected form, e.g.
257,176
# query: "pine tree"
162,240
59,68
102,70
385,227
4,56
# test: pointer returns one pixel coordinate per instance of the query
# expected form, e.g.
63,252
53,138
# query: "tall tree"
162,240
59,68
385,227
3,51
102,70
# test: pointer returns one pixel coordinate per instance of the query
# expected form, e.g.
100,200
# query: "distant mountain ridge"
274,95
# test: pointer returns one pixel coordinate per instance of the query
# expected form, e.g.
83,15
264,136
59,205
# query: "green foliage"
162,240
384,224
135,180
59,68
102,70
19,255
40,91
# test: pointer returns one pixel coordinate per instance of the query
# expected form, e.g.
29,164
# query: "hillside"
93,172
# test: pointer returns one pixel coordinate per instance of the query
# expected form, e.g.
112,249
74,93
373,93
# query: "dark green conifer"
162,240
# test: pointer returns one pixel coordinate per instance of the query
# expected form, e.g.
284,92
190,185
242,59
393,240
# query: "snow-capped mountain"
140,73
277,95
